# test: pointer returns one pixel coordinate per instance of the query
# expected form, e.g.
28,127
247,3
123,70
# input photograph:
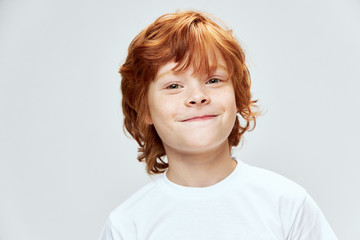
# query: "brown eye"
173,86
213,80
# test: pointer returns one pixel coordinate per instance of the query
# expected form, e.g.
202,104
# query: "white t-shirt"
251,203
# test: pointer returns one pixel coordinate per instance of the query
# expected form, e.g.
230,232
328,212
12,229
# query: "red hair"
189,39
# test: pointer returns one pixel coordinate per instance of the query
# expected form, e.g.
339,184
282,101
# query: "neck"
200,169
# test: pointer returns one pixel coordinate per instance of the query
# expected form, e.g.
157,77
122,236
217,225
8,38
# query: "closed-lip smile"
200,118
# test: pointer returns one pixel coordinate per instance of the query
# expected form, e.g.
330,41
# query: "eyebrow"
171,72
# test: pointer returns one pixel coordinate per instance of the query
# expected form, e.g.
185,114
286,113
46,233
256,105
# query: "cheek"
161,112
228,98
154,106
231,108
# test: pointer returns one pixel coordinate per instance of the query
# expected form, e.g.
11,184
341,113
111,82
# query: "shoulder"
284,198
121,221
270,184
134,204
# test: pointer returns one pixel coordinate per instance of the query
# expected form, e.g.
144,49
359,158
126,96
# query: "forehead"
215,63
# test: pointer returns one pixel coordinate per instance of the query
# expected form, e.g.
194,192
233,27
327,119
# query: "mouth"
200,118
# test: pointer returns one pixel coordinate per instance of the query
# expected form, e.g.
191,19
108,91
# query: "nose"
197,97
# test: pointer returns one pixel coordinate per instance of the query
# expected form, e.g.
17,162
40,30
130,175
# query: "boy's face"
192,113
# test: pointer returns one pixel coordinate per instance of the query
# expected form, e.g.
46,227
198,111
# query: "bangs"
194,42
196,46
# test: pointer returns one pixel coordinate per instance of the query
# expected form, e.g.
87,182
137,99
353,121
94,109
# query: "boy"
186,96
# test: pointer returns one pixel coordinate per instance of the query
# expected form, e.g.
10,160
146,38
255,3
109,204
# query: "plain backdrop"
65,162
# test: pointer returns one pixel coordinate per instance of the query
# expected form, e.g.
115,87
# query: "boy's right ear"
148,119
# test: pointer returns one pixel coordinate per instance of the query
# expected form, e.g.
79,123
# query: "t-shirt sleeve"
109,232
310,223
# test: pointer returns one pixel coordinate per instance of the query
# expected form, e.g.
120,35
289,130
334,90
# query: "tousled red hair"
190,39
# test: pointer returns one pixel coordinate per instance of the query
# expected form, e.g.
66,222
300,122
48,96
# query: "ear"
148,119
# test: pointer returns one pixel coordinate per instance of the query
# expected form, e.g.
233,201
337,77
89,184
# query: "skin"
194,114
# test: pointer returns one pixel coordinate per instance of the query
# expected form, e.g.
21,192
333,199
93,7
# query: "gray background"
65,162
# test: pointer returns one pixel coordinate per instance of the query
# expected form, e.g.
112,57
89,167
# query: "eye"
173,86
213,80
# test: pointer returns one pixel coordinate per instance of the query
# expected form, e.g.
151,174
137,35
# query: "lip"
200,118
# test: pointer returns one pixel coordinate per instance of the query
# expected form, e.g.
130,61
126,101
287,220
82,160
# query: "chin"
203,145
